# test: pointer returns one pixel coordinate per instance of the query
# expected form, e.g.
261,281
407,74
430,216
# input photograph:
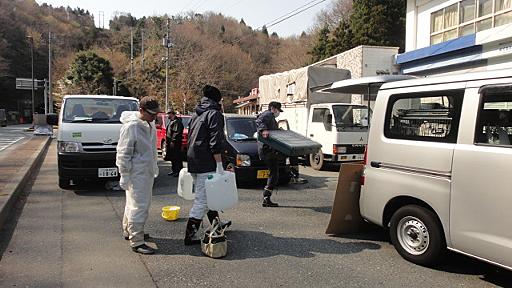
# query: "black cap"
276,105
150,105
212,93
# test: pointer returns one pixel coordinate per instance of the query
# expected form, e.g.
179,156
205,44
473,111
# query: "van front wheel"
417,235
317,160
64,183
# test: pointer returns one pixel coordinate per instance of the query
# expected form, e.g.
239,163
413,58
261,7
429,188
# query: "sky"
255,13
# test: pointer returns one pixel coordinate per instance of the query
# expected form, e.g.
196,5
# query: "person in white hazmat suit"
137,162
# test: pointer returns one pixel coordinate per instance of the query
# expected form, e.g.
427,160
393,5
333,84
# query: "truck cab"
342,129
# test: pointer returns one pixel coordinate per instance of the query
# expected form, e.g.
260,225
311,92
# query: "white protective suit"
137,162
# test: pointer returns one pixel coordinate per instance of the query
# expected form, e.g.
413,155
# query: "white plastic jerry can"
221,191
186,185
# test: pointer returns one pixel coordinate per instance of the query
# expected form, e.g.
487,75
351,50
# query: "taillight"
365,159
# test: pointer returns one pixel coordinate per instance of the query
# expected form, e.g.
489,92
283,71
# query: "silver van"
438,163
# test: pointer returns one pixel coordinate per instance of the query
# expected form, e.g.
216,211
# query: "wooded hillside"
207,48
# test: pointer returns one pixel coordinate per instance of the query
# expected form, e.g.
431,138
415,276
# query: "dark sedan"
242,152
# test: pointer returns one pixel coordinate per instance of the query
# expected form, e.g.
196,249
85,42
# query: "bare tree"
332,15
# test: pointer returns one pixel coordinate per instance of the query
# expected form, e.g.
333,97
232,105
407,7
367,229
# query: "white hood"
129,116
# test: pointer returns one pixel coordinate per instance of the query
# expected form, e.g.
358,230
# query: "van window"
426,117
319,114
494,124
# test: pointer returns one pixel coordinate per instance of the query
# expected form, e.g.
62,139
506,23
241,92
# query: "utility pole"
131,52
167,44
142,49
32,60
114,88
45,96
50,97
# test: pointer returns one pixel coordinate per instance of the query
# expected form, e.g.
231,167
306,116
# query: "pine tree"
375,22
319,51
341,39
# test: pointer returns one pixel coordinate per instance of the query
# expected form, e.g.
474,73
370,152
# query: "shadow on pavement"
255,244
322,209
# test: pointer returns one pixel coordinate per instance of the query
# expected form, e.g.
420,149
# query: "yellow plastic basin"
170,213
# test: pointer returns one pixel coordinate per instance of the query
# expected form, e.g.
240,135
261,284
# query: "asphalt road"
73,239
12,134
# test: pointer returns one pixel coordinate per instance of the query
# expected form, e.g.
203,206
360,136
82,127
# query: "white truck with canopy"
327,118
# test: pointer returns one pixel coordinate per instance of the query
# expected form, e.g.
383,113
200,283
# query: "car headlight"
69,147
243,160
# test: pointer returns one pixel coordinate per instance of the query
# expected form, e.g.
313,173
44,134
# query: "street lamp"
32,61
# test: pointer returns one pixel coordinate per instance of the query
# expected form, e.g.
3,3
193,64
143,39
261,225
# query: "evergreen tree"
319,51
89,74
264,30
341,39
376,22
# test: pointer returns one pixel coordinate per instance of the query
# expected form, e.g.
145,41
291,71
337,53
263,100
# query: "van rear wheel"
417,235
317,160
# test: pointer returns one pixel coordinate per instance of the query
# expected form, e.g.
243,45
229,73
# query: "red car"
161,124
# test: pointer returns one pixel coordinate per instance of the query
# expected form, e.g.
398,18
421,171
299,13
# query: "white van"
87,137
438,166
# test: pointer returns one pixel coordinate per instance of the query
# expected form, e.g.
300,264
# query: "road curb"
18,183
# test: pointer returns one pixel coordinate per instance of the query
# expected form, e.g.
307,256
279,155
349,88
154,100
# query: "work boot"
211,214
268,203
191,235
143,249
146,237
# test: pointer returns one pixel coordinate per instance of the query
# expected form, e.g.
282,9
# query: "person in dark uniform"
204,157
265,122
174,136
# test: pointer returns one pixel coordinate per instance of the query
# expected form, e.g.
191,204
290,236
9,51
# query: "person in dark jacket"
265,122
205,145
174,137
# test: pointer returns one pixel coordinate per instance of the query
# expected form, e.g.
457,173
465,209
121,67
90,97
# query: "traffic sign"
26,84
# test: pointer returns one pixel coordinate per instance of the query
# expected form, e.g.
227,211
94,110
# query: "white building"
456,36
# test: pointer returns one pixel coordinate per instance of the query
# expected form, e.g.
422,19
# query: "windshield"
241,129
97,110
350,116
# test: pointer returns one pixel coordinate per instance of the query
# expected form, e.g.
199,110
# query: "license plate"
107,172
262,174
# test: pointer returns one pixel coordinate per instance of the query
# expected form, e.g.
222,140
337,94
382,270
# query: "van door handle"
311,135
375,164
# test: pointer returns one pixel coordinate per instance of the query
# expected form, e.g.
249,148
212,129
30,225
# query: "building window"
467,17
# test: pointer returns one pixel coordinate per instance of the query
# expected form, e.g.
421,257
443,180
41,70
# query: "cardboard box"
345,215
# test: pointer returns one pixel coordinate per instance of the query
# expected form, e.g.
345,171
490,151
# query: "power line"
288,15
280,17
188,4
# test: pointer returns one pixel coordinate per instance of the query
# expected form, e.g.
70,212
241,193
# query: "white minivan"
438,166
88,132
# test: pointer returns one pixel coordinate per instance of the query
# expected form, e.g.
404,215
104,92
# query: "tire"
417,235
317,160
64,183
163,148
284,180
